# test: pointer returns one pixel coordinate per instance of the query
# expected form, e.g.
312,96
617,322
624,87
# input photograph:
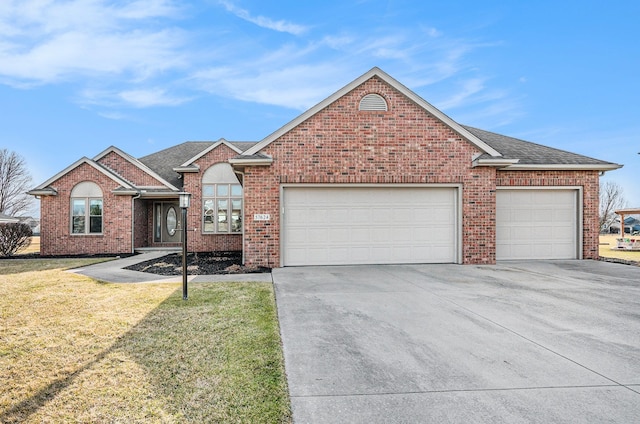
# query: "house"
631,225
372,174
6,219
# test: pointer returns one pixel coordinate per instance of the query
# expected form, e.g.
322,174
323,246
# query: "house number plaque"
261,217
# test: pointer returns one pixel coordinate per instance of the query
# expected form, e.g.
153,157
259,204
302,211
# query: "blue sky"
79,76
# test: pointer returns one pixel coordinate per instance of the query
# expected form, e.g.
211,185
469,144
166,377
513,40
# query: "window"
86,209
221,200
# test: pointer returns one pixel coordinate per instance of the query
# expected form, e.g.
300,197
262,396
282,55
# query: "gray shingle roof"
164,161
530,153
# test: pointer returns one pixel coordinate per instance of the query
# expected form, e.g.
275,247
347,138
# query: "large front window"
222,204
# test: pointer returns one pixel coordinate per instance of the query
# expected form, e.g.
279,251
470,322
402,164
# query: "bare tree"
611,200
14,180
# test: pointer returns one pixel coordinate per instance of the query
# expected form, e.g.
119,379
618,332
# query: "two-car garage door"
369,225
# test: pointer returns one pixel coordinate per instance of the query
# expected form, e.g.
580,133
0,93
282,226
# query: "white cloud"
294,86
118,52
49,41
138,98
151,97
262,21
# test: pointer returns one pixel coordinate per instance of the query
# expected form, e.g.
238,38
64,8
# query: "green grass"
76,350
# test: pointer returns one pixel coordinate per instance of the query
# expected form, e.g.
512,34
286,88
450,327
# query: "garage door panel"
369,225
537,224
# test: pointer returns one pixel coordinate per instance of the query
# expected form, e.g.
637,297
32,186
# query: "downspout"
133,223
243,214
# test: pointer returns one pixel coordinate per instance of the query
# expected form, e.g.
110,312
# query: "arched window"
221,200
373,102
86,208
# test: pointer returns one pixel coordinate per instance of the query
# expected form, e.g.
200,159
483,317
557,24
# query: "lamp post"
185,200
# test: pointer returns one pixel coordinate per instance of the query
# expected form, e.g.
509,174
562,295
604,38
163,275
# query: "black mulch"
198,264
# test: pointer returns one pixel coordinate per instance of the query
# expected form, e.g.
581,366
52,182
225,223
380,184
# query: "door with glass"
166,222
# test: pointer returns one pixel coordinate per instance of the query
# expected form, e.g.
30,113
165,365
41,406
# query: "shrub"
14,237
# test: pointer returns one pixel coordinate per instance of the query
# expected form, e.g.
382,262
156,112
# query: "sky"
78,76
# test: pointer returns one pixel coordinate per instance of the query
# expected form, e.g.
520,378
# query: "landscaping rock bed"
199,264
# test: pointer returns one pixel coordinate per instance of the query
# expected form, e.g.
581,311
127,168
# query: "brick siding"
128,171
56,237
197,241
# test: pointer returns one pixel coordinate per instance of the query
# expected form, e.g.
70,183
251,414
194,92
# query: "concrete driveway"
540,342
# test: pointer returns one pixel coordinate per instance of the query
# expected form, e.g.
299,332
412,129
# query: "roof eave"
564,167
159,194
118,192
251,162
43,192
495,162
184,169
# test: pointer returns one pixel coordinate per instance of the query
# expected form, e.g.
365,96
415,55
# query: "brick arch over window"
221,200
86,208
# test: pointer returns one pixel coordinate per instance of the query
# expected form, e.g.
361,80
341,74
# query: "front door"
166,222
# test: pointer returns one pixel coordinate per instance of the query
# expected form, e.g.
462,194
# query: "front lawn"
76,350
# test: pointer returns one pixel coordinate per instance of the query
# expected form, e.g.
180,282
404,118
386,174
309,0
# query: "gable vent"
373,102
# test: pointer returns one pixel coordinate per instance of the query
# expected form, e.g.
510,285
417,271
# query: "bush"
14,237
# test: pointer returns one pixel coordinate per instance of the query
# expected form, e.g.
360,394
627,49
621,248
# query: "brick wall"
142,211
343,145
588,180
197,241
128,171
56,238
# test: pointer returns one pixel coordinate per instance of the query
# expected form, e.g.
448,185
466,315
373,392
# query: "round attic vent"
373,102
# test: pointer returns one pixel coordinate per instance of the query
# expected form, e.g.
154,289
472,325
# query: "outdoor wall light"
185,199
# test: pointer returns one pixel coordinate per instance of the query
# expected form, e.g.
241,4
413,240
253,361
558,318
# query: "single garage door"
536,224
369,225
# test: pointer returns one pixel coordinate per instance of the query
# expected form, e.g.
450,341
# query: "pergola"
622,213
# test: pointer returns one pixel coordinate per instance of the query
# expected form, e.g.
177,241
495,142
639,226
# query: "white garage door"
536,224
369,225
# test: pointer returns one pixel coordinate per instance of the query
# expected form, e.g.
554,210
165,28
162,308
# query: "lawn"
34,246
76,350
607,242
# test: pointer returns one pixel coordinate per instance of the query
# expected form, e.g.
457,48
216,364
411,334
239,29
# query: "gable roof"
375,72
536,156
498,150
135,162
44,189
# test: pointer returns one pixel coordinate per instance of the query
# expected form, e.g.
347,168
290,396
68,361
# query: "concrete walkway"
540,342
114,272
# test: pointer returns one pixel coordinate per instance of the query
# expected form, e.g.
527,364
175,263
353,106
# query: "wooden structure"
627,243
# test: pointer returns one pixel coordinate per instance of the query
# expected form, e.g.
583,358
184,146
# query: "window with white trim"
221,200
86,209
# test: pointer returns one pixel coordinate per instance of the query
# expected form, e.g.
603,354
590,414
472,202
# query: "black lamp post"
185,201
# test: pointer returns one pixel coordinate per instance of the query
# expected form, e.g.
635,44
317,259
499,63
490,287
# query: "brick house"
372,174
